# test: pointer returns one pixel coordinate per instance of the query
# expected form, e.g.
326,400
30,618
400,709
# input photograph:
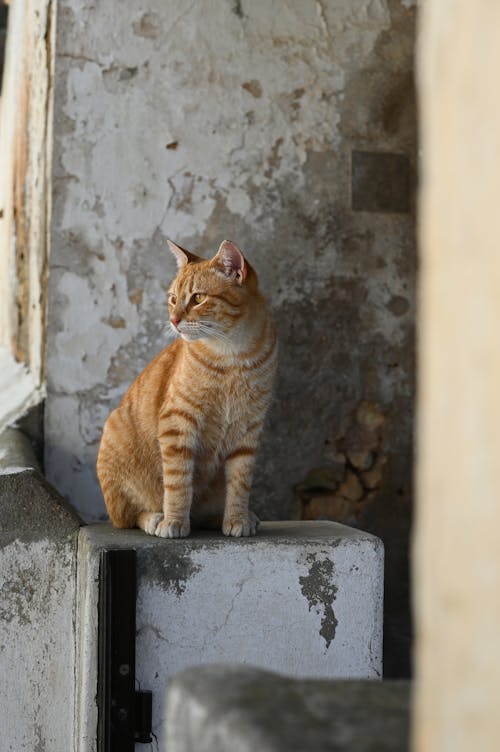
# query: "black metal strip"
116,669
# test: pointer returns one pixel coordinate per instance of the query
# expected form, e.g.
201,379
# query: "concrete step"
238,709
302,598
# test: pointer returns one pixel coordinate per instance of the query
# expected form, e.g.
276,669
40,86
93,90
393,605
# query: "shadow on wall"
350,482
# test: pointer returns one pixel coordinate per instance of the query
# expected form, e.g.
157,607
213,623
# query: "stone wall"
241,709
290,128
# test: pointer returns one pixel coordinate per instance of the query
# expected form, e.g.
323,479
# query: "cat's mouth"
189,336
191,332
186,332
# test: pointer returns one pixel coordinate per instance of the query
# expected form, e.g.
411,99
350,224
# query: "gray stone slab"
31,509
303,598
240,709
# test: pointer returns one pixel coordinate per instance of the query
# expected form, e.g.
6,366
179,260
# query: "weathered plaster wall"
239,119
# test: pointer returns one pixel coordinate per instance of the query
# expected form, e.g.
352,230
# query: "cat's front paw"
148,521
241,527
169,528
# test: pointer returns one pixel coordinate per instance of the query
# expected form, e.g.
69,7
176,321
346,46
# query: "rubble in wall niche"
351,476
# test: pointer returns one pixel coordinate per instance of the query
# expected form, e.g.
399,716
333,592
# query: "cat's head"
211,298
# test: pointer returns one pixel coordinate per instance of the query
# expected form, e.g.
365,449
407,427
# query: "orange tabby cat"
181,445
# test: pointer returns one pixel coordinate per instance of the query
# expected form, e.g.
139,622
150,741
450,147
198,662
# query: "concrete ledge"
235,709
304,598
31,509
38,542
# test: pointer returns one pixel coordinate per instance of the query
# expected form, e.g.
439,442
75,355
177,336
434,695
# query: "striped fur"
181,446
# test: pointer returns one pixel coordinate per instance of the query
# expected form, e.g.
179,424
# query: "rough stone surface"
301,598
238,121
38,539
235,709
31,508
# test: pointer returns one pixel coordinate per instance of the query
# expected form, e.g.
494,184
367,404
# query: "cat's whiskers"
168,331
213,331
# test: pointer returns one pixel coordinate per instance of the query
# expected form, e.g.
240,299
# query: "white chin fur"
189,336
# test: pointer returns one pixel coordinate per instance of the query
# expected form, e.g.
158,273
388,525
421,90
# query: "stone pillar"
38,550
457,543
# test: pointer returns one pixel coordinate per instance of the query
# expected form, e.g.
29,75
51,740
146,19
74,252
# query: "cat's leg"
238,520
177,439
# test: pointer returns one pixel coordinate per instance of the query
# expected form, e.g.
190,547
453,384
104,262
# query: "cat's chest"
233,400
228,398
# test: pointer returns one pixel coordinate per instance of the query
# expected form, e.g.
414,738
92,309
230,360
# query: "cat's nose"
175,322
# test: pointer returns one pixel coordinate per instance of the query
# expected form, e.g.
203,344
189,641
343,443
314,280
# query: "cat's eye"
172,298
198,297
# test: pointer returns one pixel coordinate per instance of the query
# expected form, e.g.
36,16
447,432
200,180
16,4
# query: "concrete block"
240,709
38,540
302,598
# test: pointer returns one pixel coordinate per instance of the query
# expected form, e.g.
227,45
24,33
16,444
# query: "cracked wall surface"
240,122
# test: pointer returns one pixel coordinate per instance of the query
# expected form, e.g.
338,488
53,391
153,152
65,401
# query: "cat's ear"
182,256
231,262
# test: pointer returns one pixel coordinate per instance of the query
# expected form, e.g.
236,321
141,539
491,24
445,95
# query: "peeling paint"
116,322
148,26
319,589
253,87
